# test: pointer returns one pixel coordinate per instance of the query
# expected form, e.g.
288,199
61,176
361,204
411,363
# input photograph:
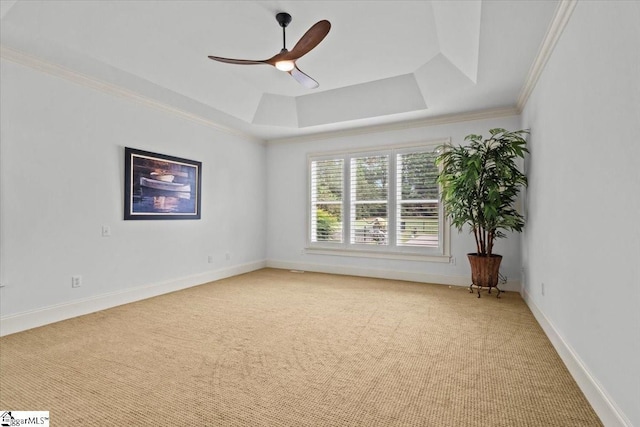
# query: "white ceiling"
382,62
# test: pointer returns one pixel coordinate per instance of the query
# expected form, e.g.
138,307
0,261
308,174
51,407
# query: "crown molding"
561,18
492,113
91,82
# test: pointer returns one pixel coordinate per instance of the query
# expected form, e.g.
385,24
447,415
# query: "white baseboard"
420,277
44,316
609,413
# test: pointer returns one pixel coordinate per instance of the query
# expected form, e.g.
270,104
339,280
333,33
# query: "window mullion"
392,212
346,236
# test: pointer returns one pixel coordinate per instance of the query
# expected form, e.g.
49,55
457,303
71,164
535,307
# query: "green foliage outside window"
325,225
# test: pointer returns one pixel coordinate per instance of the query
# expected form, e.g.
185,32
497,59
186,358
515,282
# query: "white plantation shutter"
327,192
383,201
417,204
369,200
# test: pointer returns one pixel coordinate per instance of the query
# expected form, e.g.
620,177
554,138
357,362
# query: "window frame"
441,253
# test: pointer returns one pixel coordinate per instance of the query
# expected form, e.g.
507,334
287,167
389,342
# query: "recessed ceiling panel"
439,78
458,25
276,110
380,98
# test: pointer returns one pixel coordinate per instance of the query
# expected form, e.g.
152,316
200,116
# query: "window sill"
404,256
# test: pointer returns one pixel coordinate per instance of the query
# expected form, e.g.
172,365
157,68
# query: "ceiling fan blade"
237,61
282,55
303,79
310,39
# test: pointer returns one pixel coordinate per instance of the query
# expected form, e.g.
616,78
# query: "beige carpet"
276,348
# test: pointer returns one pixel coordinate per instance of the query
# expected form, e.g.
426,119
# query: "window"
382,202
369,208
326,200
417,206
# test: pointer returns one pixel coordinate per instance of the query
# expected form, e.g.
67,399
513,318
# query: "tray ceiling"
382,62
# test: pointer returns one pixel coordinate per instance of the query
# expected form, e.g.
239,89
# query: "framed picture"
158,186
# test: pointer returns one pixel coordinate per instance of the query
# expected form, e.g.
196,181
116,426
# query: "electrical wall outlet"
76,281
227,256
542,288
106,231
210,259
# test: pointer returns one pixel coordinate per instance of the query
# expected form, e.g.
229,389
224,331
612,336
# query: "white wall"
287,209
583,232
62,166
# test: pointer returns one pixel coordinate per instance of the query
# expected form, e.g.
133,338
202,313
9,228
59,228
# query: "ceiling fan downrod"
283,19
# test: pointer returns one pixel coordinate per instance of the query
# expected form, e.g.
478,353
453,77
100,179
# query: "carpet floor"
279,348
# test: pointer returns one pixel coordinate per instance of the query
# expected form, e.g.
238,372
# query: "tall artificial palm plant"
480,183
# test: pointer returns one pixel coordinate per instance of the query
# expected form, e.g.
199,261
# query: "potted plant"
479,183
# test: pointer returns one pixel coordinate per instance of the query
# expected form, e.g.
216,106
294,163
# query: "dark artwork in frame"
159,186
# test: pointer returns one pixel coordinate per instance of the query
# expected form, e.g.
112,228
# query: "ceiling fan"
285,60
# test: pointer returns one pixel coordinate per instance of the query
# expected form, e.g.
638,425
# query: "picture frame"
160,186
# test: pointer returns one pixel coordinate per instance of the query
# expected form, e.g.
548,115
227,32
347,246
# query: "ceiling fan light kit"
285,60
285,65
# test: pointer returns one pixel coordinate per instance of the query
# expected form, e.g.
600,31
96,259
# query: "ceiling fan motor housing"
283,19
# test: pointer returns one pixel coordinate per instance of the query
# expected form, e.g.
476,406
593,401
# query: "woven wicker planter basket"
484,271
